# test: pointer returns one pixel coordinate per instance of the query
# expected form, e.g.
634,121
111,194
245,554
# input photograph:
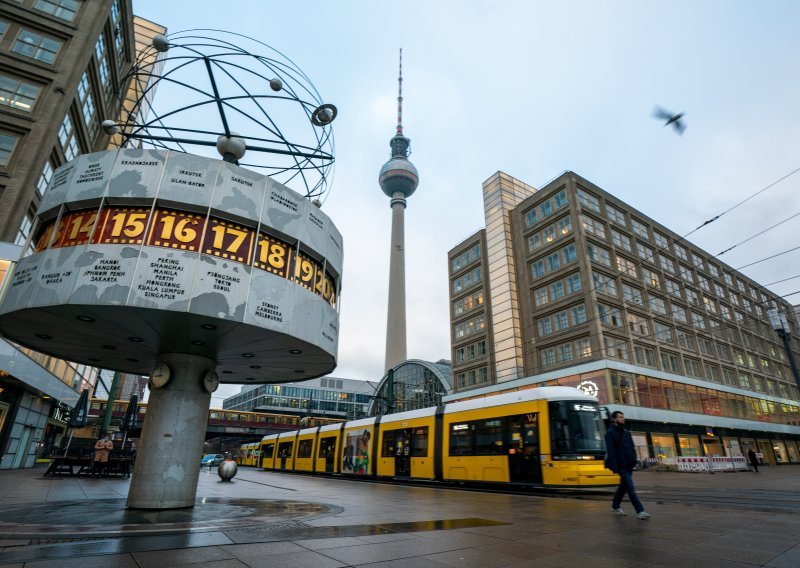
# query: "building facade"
328,397
611,301
60,77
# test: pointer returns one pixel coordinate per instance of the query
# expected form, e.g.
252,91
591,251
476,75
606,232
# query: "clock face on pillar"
211,381
160,376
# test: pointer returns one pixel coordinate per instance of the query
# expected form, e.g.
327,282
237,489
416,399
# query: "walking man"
753,458
621,459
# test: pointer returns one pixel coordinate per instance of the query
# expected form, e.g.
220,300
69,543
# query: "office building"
63,62
569,285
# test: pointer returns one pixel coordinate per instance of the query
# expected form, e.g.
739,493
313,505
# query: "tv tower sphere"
398,175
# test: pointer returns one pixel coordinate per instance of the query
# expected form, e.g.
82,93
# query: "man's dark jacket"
620,451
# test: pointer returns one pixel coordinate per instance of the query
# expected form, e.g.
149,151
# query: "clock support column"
168,457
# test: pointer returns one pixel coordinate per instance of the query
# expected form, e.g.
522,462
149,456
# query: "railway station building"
568,285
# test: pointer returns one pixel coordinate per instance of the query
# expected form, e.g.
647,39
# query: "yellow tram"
249,454
547,436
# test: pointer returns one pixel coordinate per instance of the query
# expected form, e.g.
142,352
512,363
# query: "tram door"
402,459
328,451
524,464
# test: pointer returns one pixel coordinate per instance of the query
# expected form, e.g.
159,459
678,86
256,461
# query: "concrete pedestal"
168,460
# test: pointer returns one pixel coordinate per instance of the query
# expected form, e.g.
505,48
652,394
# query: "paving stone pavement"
730,520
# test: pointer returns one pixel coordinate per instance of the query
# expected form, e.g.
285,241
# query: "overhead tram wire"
742,202
680,239
784,279
770,258
778,224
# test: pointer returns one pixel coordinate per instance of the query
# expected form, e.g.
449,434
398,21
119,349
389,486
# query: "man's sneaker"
618,512
643,515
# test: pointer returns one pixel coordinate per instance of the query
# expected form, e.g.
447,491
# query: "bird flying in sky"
670,118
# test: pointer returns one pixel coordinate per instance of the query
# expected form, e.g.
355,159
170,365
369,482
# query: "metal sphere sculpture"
229,91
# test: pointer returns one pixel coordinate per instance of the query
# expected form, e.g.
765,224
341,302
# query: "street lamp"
781,325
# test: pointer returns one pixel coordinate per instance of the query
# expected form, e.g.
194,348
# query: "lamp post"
781,325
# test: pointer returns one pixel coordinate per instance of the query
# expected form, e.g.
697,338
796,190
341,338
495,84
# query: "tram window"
388,444
419,443
489,437
304,448
327,446
575,428
268,450
285,449
461,440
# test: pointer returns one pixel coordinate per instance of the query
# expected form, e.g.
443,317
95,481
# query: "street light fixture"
780,324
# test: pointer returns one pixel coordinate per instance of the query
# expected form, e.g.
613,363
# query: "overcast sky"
533,89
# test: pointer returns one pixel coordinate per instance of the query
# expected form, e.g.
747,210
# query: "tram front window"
575,430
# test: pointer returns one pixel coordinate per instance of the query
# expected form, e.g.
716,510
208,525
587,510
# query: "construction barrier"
712,464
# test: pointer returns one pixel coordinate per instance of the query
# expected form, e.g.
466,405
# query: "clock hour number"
129,224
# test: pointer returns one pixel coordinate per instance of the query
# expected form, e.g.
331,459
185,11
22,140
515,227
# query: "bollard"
227,470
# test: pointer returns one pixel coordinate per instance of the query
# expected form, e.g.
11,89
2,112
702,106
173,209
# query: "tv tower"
398,180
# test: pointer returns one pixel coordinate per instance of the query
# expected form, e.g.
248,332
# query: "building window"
588,200
638,325
620,240
537,268
44,178
645,253
583,347
87,107
7,144
560,321
672,287
24,230
661,240
469,327
36,46
650,277
692,297
560,199
626,266
465,281
657,305
564,225
609,315
693,367
63,9
712,373
719,290
728,279
710,307
615,215
605,284
680,252
632,295
667,264
545,209
616,348
548,357
66,135
531,218
565,352
593,226
17,94
686,273
553,262
686,340
639,228
707,347
557,290
578,315
698,321
540,297
573,283
704,284
598,254
670,362
465,258
663,333
545,328
679,314
645,356
3,28
468,303
569,253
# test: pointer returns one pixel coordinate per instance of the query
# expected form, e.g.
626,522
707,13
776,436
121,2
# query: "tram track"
757,500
